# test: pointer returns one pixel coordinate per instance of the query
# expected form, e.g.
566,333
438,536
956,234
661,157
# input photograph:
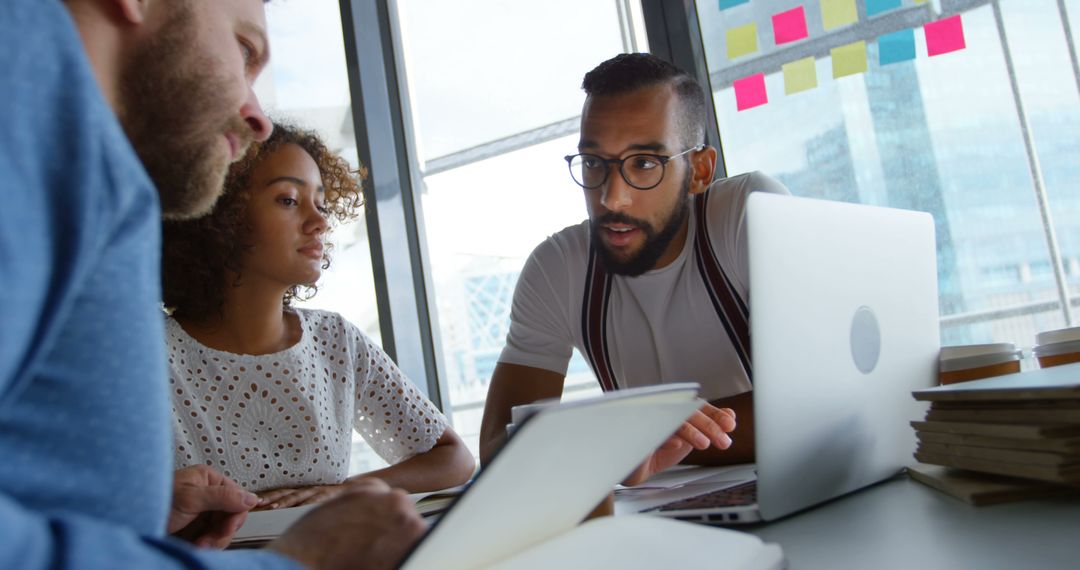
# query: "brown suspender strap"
730,308
594,321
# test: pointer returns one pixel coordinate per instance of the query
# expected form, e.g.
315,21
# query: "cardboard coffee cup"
977,361
1061,346
518,414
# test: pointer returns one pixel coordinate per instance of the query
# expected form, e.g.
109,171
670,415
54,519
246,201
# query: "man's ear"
703,163
133,11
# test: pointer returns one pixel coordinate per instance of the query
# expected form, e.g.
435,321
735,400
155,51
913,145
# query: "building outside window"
901,128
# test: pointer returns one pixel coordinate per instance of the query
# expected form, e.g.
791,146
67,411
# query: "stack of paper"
1023,425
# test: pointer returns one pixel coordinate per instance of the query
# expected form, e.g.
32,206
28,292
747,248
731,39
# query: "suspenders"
730,308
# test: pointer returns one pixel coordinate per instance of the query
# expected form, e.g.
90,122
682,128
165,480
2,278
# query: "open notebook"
523,510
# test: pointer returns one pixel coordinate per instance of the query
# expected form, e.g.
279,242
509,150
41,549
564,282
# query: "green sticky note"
741,41
836,13
849,59
799,75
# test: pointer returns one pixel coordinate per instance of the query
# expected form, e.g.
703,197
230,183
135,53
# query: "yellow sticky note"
920,1
836,13
849,59
799,75
741,41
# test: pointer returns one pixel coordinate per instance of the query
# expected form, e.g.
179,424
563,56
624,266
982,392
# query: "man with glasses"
652,288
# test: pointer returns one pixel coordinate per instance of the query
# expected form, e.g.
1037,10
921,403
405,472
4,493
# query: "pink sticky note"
944,36
750,92
789,26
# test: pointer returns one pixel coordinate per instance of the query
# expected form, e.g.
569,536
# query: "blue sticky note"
896,47
725,4
873,7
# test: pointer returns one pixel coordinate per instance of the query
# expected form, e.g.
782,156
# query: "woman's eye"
288,201
323,210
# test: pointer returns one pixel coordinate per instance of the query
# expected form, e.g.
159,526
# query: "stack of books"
1024,425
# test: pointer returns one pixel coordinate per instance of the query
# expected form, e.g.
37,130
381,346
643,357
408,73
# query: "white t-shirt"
661,326
285,419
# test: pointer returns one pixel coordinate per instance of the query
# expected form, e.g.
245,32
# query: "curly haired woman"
268,393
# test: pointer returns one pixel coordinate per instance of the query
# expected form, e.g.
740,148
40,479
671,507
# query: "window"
494,94
940,134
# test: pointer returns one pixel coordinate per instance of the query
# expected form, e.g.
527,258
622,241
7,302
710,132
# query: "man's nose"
616,194
253,115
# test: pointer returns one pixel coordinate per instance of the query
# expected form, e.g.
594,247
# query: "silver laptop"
844,326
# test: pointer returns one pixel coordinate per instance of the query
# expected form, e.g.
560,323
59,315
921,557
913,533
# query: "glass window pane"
307,83
494,90
938,134
1050,74
484,70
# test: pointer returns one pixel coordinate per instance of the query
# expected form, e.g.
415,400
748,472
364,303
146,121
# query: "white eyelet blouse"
284,419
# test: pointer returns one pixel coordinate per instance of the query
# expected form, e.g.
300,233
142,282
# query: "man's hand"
287,497
709,426
207,507
368,526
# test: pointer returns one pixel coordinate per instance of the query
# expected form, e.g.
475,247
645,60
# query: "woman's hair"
198,255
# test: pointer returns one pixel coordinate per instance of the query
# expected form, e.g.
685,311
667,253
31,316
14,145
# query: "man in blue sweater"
101,101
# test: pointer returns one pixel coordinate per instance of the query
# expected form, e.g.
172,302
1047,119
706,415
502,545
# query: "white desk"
905,525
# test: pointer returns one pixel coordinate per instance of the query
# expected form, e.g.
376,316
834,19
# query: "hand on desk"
709,426
369,525
294,497
207,507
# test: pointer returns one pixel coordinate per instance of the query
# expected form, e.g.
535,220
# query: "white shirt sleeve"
392,415
540,335
727,212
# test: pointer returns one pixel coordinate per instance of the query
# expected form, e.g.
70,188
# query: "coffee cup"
1061,346
518,414
977,361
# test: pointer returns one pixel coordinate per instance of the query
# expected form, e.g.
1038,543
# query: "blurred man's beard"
656,242
173,109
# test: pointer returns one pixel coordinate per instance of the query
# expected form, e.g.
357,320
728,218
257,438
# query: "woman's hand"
287,497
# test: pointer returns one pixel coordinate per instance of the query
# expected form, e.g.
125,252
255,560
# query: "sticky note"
725,4
741,41
896,47
789,26
836,13
920,1
849,59
944,36
875,7
750,92
799,75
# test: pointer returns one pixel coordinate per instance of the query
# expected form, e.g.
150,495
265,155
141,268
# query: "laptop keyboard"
737,496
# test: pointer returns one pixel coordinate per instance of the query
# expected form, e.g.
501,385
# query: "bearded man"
115,113
652,288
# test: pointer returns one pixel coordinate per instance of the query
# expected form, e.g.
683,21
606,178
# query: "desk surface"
903,524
